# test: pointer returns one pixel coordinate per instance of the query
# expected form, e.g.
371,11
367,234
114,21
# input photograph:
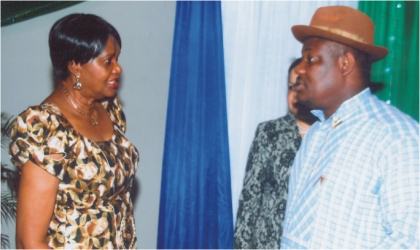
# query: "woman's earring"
77,85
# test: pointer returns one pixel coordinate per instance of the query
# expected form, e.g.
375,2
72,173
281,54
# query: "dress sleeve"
116,113
250,197
36,133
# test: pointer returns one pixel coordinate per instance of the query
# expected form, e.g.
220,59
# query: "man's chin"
303,106
301,98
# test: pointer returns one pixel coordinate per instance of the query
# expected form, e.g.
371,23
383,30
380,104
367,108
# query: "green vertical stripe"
397,28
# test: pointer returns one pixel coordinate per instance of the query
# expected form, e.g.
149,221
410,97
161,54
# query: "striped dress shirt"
355,180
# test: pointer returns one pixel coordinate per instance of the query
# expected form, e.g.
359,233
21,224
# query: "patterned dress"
93,207
262,202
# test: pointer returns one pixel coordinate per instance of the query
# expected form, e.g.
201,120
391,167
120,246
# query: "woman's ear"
74,68
347,62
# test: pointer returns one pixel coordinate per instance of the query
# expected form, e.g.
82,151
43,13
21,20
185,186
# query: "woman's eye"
107,61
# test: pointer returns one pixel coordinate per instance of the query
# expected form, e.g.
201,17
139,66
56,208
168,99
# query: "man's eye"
107,61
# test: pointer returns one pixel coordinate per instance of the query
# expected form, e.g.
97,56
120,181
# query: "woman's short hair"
78,38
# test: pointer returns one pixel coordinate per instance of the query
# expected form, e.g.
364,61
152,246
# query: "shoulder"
386,132
38,131
390,119
285,123
39,120
280,131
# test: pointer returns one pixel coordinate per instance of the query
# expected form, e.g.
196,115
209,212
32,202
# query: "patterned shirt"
355,180
262,203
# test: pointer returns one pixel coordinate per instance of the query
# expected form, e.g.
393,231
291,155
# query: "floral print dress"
93,206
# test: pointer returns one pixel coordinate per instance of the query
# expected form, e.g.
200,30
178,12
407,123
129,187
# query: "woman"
262,203
77,166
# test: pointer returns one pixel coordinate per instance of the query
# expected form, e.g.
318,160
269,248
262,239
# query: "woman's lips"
114,84
298,86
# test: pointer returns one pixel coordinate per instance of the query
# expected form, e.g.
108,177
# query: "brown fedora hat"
344,25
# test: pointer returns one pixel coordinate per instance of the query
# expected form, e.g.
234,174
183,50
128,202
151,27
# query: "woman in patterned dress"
77,166
263,198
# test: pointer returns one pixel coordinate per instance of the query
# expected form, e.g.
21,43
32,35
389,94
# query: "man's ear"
74,68
347,63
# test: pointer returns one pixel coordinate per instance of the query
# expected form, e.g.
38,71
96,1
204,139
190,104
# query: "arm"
249,198
35,204
399,194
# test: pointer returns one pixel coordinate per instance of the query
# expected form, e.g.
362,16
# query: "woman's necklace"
94,121
302,130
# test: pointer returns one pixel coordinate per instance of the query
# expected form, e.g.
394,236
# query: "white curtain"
259,47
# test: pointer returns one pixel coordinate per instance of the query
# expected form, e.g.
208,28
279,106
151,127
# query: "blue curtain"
195,204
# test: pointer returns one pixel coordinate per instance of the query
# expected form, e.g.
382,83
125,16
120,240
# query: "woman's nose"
117,68
299,69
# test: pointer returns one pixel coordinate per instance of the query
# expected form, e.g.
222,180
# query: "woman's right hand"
35,204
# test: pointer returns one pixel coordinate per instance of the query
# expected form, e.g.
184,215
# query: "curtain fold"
195,203
397,28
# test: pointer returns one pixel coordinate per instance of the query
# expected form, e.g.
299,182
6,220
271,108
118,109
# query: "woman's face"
291,94
299,110
100,76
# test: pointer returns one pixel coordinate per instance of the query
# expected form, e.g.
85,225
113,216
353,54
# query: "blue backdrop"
195,203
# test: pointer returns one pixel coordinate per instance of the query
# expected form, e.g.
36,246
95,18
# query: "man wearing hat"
355,179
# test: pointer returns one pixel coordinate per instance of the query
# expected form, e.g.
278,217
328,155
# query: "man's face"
319,78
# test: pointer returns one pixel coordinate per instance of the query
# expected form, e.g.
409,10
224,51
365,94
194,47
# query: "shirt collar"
346,108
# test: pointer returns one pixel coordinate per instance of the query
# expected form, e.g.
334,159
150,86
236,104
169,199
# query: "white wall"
146,29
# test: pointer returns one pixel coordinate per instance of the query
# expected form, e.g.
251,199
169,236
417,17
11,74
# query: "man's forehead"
312,42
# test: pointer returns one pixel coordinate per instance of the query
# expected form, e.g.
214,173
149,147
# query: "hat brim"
301,32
